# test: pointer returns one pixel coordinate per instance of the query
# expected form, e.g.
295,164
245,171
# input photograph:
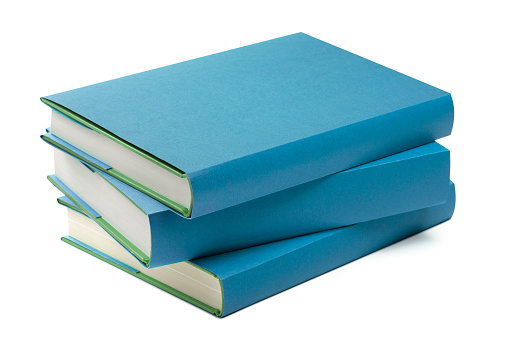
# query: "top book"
216,131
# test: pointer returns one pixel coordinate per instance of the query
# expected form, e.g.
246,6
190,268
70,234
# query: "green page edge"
70,113
89,124
85,213
152,281
68,205
125,179
92,169
137,253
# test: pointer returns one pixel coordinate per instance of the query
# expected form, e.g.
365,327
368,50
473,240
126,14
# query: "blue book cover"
245,123
403,182
235,280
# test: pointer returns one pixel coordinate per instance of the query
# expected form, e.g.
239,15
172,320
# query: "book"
158,236
213,132
225,283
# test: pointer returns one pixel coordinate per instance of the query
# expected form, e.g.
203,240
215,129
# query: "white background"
444,284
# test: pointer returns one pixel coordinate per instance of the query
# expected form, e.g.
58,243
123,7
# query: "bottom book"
225,283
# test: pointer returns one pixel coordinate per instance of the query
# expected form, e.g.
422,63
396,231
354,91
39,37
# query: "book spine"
343,246
403,182
292,164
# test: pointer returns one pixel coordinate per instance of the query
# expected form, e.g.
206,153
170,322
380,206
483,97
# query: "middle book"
156,235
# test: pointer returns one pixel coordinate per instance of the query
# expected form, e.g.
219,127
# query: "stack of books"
229,178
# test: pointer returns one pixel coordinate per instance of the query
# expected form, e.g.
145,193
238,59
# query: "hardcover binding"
281,265
403,182
267,117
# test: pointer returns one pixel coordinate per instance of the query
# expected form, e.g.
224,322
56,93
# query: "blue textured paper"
65,199
73,197
122,264
259,119
253,274
403,182
74,149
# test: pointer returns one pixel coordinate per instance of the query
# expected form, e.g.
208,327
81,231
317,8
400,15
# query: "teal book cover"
156,235
225,283
217,131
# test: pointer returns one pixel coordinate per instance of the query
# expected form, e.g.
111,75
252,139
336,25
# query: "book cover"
249,122
253,274
406,181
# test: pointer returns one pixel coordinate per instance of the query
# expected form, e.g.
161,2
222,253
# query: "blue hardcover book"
225,283
221,130
158,236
